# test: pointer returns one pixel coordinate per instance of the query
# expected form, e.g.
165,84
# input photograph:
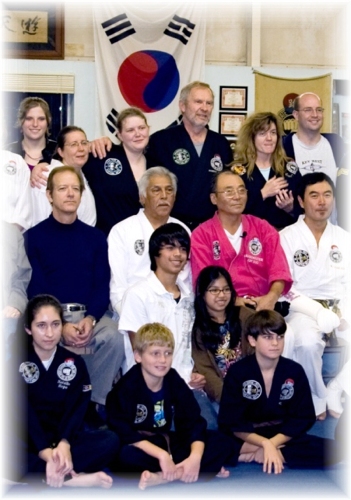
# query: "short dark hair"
265,321
214,180
313,178
167,234
61,137
36,303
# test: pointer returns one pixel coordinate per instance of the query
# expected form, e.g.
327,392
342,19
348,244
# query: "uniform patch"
181,156
139,247
141,414
238,169
113,166
287,390
335,254
252,389
216,163
67,370
216,250
291,169
301,258
10,167
255,246
30,372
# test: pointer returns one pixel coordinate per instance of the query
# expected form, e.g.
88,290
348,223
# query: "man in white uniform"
318,256
128,241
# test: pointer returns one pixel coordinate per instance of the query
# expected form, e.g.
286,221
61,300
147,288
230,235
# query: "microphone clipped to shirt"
243,235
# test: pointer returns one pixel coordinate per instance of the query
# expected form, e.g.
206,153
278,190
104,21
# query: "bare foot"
334,414
223,473
148,478
99,479
322,416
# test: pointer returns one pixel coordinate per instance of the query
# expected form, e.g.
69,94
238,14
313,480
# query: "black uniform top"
267,209
173,148
244,402
130,408
57,398
114,188
47,152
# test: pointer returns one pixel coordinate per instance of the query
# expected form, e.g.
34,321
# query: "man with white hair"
128,241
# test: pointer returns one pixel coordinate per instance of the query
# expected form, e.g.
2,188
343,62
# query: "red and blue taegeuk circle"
149,80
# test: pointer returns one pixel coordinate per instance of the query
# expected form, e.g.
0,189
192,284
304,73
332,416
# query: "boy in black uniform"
267,404
142,407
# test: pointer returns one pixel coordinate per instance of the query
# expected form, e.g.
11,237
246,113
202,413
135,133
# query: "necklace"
31,157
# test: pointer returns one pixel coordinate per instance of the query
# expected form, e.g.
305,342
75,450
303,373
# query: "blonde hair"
153,334
245,150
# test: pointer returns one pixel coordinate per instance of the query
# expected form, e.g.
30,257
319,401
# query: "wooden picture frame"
233,98
230,123
33,30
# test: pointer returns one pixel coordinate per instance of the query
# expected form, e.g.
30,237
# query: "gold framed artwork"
230,123
33,30
233,98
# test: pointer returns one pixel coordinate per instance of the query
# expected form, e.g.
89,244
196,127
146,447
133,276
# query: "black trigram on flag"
180,28
111,121
117,28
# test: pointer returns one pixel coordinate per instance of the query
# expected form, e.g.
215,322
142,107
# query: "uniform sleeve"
205,364
233,407
38,281
100,289
201,253
118,260
275,255
301,415
133,312
153,152
76,402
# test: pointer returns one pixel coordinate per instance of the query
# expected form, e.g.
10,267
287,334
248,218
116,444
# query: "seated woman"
56,388
73,150
216,335
270,178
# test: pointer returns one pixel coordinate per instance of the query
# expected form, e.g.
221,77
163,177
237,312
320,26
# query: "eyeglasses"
309,111
229,192
76,144
216,291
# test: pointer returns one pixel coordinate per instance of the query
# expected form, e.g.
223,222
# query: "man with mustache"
128,241
193,152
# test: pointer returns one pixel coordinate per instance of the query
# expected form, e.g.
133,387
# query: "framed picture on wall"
233,98
229,123
33,30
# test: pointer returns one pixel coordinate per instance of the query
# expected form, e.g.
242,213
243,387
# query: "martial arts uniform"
128,254
114,188
136,414
261,259
288,409
56,401
70,261
42,207
320,271
267,209
173,148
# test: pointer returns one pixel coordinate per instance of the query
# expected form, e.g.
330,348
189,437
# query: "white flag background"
144,55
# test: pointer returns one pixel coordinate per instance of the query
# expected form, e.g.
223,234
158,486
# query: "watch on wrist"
92,319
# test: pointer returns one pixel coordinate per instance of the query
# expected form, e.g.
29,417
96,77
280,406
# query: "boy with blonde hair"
149,401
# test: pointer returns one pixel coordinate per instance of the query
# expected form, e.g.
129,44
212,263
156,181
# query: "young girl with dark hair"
216,337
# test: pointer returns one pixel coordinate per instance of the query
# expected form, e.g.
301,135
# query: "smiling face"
216,304
197,108
74,153
231,194
45,329
134,134
266,140
35,125
66,195
156,361
318,202
310,114
172,259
